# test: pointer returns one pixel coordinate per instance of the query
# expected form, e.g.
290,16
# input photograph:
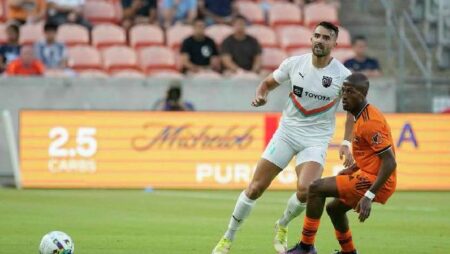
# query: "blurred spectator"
49,51
138,12
66,11
174,11
199,52
11,49
26,64
241,52
361,62
173,101
217,11
23,11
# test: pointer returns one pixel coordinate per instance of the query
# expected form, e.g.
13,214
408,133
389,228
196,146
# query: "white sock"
293,209
241,211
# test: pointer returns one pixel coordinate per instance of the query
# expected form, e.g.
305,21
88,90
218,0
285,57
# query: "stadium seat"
118,58
342,54
272,58
146,35
84,57
105,35
157,58
318,12
2,11
282,14
166,74
93,74
300,51
251,11
2,33
72,35
176,34
218,32
265,35
31,33
344,39
99,12
294,37
128,74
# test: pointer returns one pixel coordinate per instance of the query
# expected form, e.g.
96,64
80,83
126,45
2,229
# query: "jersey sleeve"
282,73
376,134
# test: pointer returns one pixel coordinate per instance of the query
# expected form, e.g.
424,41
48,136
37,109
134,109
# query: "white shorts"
282,148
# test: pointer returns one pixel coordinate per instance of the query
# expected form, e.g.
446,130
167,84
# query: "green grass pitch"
191,222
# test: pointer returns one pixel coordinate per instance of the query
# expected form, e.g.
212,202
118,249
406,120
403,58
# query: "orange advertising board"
129,149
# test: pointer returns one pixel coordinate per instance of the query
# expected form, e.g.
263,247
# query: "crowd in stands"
139,38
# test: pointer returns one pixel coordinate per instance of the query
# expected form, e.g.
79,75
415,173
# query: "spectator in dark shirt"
67,11
361,62
173,100
51,52
138,12
241,52
11,49
199,52
217,11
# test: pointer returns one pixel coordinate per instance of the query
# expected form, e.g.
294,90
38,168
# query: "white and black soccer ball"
56,242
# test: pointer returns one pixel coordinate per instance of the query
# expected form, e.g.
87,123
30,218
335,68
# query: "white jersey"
314,98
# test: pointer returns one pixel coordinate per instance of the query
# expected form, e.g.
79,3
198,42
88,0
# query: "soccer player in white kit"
305,130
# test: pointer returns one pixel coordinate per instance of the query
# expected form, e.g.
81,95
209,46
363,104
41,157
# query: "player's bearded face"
323,40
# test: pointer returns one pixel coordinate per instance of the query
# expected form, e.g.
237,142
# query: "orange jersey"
17,68
371,136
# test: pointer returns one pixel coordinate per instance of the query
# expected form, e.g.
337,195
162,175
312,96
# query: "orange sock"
310,227
345,240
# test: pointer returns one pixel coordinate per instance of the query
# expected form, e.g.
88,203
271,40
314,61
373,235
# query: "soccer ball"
56,242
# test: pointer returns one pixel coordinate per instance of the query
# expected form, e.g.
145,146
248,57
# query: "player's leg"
318,191
276,157
337,210
309,168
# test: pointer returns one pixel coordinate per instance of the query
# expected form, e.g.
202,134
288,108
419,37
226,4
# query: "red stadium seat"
318,12
72,35
31,33
218,32
2,33
128,74
119,58
344,39
251,11
300,51
105,35
101,12
146,35
84,57
342,54
265,35
272,58
282,14
157,58
2,11
176,35
294,37
93,74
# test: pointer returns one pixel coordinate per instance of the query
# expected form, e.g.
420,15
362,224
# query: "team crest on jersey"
326,81
376,139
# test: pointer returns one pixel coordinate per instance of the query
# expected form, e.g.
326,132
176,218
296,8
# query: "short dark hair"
239,17
50,27
14,27
359,38
329,26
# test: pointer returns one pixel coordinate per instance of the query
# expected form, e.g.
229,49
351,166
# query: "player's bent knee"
316,187
302,193
330,210
254,191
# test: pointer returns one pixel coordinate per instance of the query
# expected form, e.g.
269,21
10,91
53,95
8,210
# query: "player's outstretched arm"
267,85
388,165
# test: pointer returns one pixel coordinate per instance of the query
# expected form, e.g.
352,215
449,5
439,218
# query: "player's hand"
259,101
344,151
363,208
349,170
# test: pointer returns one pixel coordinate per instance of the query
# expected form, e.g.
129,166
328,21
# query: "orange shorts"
353,187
